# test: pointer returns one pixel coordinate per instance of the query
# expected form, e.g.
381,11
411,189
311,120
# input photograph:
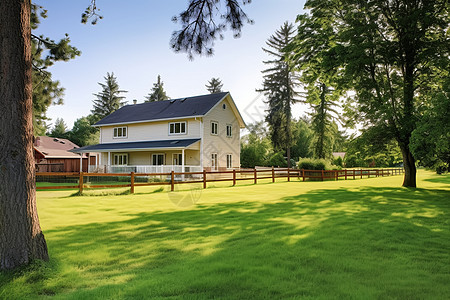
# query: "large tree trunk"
21,238
409,165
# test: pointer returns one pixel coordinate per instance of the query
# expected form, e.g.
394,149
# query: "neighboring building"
339,154
52,155
186,134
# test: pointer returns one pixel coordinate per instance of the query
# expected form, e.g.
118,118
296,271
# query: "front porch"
146,157
144,168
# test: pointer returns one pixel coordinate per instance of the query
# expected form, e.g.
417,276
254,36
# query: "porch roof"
138,146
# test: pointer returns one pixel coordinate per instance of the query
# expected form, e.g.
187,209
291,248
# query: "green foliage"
158,93
59,129
430,141
277,159
338,161
280,82
45,52
373,148
109,99
214,85
389,53
83,133
314,164
302,139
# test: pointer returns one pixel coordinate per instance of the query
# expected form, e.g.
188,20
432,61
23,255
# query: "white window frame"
157,154
229,130
116,132
216,124
229,161
174,125
214,161
118,156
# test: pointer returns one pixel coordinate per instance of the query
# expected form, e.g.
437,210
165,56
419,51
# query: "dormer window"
120,132
177,128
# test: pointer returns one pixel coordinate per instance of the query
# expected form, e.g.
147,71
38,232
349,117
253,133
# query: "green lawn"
362,239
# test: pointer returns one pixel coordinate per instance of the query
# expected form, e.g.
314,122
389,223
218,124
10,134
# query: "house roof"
145,145
196,106
51,147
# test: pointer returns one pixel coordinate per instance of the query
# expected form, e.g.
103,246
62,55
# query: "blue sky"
132,41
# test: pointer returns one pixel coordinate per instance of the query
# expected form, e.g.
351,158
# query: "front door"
177,159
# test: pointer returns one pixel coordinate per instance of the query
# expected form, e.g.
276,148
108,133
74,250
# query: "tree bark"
409,164
21,238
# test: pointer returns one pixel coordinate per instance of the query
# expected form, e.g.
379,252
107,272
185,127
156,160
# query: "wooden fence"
173,178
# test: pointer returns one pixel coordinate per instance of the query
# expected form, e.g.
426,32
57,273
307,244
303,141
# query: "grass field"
362,239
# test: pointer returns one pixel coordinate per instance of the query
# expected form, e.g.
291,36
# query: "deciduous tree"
389,53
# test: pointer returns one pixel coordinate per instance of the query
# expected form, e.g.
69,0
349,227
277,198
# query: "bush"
314,164
277,160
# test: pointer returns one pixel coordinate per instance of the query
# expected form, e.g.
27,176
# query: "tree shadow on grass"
364,243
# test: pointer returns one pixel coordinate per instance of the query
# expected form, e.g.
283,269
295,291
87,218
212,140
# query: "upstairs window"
229,130
120,132
214,128
177,128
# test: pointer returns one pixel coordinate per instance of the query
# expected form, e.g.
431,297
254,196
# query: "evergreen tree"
44,53
109,99
214,85
158,93
59,129
322,119
280,81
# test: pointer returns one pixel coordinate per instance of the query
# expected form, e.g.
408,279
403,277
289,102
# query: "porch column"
109,162
182,163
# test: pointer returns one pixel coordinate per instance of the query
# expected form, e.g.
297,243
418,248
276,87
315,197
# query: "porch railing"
144,169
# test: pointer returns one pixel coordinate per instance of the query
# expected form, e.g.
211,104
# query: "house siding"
220,143
150,131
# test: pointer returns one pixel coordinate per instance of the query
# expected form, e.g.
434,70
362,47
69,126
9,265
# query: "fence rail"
172,178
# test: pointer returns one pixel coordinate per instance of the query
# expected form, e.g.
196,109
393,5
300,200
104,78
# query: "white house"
187,134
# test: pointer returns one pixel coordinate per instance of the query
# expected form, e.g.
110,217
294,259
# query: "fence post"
204,179
360,172
289,174
273,174
132,183
234,177
303,174
345,174
80,182
256,176
322,175
336,175
172,181
354,174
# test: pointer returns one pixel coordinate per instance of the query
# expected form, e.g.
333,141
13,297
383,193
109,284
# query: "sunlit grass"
361,239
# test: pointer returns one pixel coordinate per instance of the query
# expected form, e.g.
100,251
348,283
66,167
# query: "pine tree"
157,93
214,85
109,99
280,81
59,129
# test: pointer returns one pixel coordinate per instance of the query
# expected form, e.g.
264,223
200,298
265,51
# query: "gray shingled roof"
161,110
182,143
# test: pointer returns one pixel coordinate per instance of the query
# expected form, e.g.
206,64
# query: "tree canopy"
390,54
